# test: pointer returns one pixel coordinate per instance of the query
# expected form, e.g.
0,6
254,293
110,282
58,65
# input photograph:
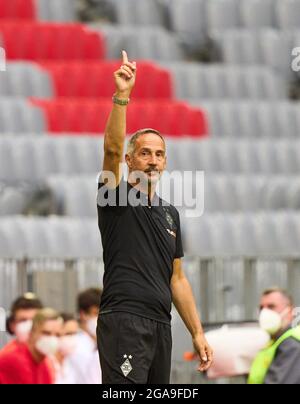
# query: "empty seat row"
34,158
252,119
18,116
76,195
193,80
212,235
18,9
80,79
56,10
52,237
197,18
169,117
152,43
252,234
50,41
267,46
267,157
95,79
26,79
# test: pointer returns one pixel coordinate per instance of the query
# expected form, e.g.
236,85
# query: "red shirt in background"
17,366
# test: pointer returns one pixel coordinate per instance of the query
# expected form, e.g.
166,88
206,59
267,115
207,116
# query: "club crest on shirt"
169,219
127,367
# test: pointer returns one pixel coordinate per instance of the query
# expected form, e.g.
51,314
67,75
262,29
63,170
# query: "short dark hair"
66,317
132,141
89,298
26,302
282,291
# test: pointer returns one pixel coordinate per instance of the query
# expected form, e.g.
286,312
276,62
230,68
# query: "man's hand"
204,351
125,77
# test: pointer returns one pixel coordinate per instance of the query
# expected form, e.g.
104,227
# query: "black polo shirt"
140,241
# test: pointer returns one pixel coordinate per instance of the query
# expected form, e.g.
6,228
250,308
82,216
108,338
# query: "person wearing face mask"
19,323
67,346
279,362
29,363
88,308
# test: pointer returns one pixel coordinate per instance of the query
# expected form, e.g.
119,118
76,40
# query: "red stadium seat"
18,9
85,116
89,80
50,41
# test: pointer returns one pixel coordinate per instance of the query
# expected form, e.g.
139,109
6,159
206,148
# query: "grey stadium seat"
187,19
18,116
258,13
249,119
52,237
57,10
141,43
218,81
222,14
288,14
23,79
142,12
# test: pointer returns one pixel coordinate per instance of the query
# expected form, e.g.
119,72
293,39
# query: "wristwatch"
119,101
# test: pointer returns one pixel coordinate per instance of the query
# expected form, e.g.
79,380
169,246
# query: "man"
142,255
67,346
22,312
279,363
28,363
88,309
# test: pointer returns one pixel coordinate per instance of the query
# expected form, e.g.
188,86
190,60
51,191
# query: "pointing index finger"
125,57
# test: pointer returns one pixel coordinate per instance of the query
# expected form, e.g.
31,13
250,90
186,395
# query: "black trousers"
133,349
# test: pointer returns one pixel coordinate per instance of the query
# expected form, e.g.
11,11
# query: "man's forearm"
115,131
185,304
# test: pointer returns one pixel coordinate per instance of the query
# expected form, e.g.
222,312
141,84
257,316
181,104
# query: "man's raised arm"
115,132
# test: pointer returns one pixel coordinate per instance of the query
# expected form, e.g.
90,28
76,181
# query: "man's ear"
128,160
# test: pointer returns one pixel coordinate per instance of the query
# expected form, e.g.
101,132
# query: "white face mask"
270,321
92,326
67,345
47,346
23,330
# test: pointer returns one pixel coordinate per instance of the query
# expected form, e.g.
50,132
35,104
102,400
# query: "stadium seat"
18,9
151,43
173,118
56,10
222,14
288,14
258,13
50,41
249,119
89,79
217,81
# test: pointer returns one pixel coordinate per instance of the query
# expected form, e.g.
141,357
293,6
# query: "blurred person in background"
67,346
19,323
29,363
279,362
88,309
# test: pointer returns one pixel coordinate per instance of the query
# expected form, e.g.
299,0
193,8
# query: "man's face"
280,304
149,157
50,328
21,316
70,328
